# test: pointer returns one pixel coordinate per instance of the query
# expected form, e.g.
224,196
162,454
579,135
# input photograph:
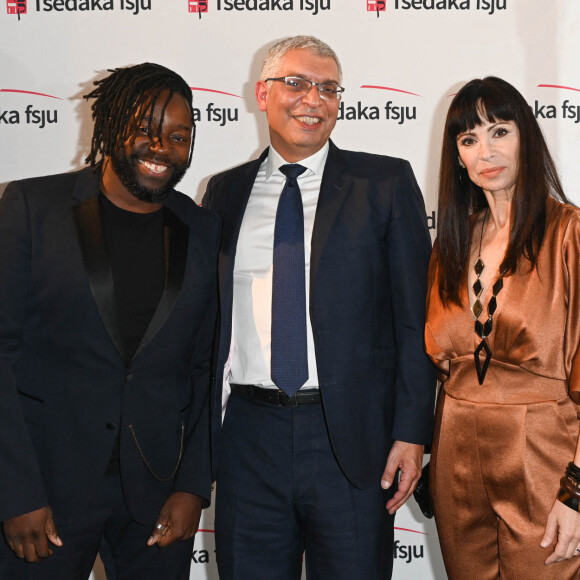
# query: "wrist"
569,493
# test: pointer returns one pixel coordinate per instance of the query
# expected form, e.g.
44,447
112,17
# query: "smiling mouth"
308,120
153,167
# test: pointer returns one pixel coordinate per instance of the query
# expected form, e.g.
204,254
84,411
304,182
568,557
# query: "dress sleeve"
571,258
434,309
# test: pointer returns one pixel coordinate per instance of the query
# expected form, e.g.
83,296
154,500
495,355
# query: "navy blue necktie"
289,350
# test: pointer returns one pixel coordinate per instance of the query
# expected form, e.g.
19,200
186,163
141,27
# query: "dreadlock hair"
121,101
491,99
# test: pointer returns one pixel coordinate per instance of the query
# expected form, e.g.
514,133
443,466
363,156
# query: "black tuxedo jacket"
368,269
67,390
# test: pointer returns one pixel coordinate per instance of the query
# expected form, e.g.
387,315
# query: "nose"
157,144
486,150
312,97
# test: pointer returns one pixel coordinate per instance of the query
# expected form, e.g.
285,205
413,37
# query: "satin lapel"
333,191
97,265
176,250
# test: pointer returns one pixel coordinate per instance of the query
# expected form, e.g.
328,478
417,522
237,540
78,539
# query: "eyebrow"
301,76
188,128
490,128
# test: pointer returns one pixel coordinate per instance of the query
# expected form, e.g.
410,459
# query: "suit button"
129,378
111,425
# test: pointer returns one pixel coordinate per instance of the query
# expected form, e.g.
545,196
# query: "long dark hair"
122,99
491,99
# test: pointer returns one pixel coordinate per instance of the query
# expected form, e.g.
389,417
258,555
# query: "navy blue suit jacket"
67,388
368,272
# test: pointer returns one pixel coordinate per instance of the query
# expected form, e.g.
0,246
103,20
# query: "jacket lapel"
98,266
231,210
176,235
333,191
91,238
232,216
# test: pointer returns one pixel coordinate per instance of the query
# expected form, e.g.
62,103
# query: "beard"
125,168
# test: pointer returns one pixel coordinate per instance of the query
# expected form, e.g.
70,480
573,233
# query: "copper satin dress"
501,448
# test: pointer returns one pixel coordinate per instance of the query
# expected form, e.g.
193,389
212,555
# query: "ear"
262,95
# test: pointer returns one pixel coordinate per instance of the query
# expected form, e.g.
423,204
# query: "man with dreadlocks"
108,294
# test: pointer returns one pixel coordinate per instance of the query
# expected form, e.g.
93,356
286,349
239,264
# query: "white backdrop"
402,60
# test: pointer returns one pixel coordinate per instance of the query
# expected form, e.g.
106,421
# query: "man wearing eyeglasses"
320,361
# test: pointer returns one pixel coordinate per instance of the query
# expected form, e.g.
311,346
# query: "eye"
180,138
329,89
501,132
144,130
294,82
466,141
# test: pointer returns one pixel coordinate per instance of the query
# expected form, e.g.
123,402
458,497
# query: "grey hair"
280,49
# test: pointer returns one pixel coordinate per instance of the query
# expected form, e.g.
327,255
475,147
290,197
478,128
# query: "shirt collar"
314,164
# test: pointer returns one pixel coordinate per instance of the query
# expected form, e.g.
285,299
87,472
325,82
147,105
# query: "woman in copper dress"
503,327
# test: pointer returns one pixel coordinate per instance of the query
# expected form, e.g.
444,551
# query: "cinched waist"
504,384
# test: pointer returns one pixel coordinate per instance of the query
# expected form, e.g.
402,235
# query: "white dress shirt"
250,354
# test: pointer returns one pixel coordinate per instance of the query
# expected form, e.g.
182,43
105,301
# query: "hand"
179,517
28,534
408,457
564,526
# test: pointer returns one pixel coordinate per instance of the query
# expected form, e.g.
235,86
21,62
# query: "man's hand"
177,520
408,457
28,534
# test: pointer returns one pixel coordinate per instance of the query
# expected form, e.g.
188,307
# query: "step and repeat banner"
402,59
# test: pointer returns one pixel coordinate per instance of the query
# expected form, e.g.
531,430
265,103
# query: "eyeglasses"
327,91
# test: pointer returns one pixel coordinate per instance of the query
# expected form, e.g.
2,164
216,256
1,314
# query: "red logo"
197,6
16,7
376,6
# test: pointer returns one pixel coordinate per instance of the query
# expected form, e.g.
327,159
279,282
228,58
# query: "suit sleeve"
21,485
409,247
194,475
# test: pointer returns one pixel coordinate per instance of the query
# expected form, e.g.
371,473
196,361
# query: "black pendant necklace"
483,330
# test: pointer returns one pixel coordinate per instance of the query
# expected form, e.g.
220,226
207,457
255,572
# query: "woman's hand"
563,527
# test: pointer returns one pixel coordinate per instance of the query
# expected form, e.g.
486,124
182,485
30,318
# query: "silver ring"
161,526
